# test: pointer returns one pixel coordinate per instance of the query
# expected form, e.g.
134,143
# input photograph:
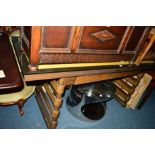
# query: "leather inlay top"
8,66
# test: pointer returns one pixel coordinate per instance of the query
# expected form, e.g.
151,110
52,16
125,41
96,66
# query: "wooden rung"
42,102
132,81
124,86
120,100
53,98
49,106
122,95
54,84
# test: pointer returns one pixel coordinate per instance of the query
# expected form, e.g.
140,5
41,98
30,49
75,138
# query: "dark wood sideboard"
68,55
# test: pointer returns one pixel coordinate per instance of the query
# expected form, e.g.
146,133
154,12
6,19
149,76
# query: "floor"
116,117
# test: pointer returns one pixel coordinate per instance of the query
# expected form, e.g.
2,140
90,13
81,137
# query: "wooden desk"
81,55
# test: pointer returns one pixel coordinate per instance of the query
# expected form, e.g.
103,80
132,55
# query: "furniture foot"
54,125
20,107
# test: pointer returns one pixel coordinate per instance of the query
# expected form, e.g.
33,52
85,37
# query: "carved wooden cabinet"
82,44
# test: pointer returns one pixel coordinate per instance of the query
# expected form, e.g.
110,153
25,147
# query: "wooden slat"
123,95
57,88
132,81
53,98
120,100
49,105
54,84
124,86
42,102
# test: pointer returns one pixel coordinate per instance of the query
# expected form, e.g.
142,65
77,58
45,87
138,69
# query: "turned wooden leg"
59,87
56,106
20,107
55,92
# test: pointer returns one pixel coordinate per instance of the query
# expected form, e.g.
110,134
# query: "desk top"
53,73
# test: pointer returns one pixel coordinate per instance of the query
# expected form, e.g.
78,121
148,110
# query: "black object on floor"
93,111
89,100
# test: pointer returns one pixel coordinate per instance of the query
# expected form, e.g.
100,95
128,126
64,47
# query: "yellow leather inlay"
52,66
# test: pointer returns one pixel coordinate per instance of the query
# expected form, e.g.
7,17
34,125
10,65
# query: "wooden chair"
13,89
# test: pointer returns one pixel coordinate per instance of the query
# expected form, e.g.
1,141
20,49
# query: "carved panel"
104,35
82,58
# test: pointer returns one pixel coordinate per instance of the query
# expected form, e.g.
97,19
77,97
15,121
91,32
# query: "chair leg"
20,107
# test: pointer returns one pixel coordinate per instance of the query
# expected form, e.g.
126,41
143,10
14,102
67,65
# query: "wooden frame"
55,89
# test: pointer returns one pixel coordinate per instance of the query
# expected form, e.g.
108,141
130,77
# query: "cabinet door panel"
55,36
101,37
135,37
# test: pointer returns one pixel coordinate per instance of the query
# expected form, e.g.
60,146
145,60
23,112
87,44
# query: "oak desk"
62,56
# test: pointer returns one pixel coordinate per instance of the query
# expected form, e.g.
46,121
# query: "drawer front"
55,37
102,38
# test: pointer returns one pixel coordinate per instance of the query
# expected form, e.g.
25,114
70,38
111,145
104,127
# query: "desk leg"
57,104
54,90
59,87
